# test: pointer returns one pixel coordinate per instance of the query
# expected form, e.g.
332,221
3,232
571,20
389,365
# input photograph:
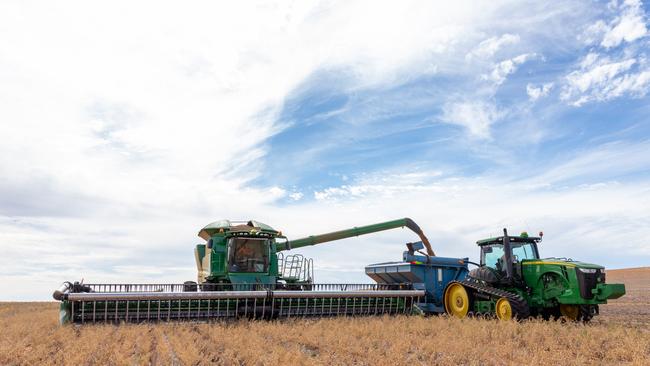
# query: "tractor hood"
562,262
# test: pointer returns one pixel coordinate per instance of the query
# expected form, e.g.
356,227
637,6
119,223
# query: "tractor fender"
551,285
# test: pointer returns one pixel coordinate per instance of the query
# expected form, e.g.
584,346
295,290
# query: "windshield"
523,251
248,255
493,254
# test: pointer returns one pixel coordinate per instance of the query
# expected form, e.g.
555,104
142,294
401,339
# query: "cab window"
523,251
248,255
491,254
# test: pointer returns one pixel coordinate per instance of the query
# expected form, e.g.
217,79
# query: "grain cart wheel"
456,300
503,309
570,311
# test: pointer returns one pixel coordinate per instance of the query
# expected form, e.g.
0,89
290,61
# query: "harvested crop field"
620,335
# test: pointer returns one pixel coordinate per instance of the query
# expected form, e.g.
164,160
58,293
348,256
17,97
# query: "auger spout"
357,231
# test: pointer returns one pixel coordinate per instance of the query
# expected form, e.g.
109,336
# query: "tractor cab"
501,257
521,247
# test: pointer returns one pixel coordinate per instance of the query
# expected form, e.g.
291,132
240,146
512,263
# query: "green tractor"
513,282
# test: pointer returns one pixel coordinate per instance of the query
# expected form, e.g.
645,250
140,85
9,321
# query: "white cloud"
593,34
296,196
504,68
629,26
602,74
277,192
476,116
626,25
601,78
489,47
536,92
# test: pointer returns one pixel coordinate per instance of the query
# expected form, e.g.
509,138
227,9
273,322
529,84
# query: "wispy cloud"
504,68
477,117
628,26
536,92
601,79
487,48
604,75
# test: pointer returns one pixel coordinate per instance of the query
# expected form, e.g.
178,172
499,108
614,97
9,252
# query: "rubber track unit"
520,309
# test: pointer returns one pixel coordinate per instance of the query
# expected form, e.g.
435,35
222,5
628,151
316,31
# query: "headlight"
587,270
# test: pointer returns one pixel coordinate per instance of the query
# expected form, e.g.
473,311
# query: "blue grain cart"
423,272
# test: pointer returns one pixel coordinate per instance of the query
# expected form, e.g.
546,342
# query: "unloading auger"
243,272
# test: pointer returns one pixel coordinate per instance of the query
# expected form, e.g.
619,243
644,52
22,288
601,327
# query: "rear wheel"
456,300
571,312
578,312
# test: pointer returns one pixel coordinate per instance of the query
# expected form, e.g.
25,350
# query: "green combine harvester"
243,272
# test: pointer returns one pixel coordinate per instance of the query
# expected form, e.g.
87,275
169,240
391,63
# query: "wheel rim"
570,311
503,309
456,300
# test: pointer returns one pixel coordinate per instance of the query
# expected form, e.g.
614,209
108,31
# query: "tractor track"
520,309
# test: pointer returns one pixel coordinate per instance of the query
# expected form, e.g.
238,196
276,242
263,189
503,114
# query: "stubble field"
30,334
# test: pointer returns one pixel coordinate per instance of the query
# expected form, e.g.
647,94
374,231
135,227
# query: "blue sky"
126,128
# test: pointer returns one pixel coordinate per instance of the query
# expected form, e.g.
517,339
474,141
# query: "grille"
588,282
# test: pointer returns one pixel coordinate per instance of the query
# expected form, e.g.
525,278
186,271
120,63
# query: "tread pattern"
520,309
